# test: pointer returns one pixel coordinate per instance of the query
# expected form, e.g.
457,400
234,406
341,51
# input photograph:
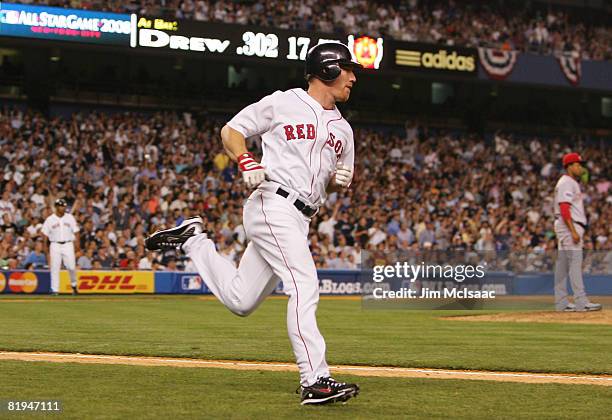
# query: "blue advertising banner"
561,70
180,282
22,281
331,282
59,24
543,284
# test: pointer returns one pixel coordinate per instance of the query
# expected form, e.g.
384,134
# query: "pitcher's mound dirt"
600,317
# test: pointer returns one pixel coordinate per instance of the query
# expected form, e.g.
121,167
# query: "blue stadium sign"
59,24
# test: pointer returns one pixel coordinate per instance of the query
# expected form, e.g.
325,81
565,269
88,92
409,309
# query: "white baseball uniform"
61,233
302,144
569,255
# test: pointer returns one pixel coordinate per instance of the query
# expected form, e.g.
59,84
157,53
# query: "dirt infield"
598,318
524,377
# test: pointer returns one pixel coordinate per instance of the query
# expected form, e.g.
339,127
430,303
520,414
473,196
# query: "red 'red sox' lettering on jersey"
335,144
302,141
300,132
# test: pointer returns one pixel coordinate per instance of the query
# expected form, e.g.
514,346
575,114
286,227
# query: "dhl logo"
107,282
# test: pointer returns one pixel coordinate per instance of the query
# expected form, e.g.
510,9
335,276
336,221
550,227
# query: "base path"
396,372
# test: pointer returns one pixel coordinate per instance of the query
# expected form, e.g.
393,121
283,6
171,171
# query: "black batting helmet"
325,60
60,202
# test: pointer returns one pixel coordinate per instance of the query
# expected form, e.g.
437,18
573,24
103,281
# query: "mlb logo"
191,283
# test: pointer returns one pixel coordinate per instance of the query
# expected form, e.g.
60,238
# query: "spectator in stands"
36,259
406,202
85,259
104,259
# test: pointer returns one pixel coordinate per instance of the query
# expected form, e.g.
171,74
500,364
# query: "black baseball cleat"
328,390
75,290
175,237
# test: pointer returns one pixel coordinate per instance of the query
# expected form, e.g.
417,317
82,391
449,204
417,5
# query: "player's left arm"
341,180
343,176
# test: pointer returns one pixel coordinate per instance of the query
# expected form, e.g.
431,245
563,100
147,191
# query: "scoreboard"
142,32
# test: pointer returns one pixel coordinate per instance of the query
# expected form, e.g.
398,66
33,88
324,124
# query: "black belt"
61,243
585,227
300,205
581,224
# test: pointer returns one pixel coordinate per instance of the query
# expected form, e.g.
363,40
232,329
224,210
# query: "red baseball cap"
570,158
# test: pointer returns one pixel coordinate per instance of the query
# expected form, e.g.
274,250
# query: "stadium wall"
332,282
138,34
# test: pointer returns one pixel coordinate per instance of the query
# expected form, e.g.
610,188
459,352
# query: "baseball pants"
569,264
278,249
57,254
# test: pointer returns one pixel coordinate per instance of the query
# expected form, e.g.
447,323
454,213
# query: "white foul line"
290,366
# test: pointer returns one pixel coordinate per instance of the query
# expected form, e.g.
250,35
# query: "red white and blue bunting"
571,66
497,63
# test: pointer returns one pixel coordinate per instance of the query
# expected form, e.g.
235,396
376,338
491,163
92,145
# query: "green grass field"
191,327
108,391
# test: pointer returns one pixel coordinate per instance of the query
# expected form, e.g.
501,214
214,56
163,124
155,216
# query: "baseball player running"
61,229
570,225
308,152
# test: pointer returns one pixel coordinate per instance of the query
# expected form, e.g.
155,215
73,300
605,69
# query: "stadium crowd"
125,175
501,24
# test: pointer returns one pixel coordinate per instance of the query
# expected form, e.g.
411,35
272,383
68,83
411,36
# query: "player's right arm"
234,142
253,120
46,231
46,247
47,251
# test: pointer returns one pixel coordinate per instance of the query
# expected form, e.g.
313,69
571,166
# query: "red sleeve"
565,211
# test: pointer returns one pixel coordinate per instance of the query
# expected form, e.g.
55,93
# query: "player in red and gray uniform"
570,225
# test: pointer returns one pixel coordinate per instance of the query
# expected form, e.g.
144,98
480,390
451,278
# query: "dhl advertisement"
435,58
109,282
